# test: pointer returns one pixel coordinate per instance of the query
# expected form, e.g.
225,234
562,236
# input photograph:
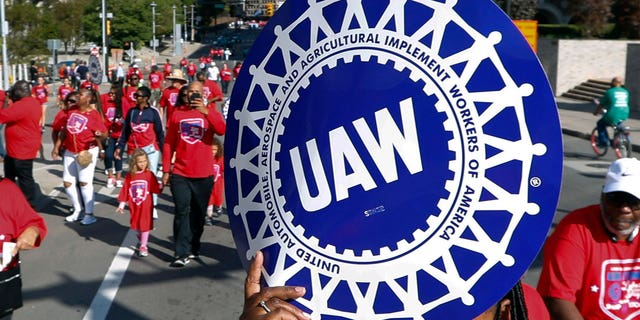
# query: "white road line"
111,283
101,303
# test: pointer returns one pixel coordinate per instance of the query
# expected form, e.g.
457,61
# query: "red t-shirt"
80,129
128,101
191,69
583,265
155,80
40,92
183,62
190,135
22,132
63,91
218,182
536,309
137,192
167,69
212,91
109,110
225,74
16,215
168,100
89,86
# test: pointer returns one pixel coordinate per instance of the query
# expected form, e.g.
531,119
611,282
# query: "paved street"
90,272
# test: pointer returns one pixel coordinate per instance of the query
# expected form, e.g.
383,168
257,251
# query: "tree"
627,18
68,27
29,28
592,16
519,9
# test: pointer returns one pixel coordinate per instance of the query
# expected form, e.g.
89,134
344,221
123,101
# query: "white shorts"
72,170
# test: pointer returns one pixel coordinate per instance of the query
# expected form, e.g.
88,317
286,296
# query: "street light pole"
192,30
184,12
5,60
104,40
153,19
174,29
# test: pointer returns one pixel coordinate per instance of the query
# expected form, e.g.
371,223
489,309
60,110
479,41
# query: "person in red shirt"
212,91
63,91
225,78
80,130
167,68
170,94
155,84
88,84
134,69
41,92
129,91
183,64
190,135
114,111
591,261
191,71
216,199
236,70
139,183
19,224
23,136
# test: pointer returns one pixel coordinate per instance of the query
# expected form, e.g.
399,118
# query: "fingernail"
306,315
301,290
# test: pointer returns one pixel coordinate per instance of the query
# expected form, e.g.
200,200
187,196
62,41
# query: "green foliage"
592,15
519,9
627,19
559,31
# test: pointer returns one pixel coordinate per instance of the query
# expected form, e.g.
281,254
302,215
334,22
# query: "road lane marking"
103,299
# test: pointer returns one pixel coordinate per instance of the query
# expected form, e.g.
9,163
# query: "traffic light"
269,9
108,27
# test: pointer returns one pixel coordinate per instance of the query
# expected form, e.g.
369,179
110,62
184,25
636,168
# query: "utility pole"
153,21
104,41
184,12
174,29
193,31
5,60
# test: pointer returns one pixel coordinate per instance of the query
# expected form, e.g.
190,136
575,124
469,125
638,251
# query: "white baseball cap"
623,175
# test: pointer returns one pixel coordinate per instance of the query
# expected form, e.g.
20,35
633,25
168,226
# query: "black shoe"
208,221
217,212
180,262
195,255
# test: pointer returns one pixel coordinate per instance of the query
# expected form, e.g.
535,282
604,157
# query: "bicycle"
621,142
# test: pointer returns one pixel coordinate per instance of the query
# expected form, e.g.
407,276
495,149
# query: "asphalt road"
90,272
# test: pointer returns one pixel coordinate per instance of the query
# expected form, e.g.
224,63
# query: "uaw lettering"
380,154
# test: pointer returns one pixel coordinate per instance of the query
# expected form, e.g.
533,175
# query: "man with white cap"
591,264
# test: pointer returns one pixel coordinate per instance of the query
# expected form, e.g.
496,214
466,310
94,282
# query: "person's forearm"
561,309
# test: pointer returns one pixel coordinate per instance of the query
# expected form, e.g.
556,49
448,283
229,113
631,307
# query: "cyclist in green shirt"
616,102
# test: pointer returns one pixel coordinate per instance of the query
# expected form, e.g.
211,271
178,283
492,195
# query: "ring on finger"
263,305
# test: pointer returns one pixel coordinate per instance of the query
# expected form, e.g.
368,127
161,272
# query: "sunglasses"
72,101
137,95
135,78
620,199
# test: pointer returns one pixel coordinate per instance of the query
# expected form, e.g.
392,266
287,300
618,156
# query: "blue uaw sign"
399,159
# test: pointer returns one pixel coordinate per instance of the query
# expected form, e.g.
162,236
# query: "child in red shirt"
41,93
139,184
215,200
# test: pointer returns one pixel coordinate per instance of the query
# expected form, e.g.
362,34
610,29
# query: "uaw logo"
620,298
206,92
111,113
76,123
140,127
399,159
173,98
138,191
192,130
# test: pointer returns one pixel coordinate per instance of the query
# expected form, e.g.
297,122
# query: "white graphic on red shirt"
216,172
111,112
620,294
76,123
41,93
140,127
207,92
138,191
173,97
192,130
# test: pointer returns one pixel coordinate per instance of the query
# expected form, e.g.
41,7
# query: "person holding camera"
23,137
190,134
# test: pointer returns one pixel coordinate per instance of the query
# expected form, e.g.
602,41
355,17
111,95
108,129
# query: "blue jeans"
603,135
154,157
109,160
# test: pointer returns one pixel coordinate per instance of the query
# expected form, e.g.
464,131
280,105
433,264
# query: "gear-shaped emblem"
380,154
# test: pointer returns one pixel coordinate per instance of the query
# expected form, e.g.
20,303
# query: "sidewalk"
577,119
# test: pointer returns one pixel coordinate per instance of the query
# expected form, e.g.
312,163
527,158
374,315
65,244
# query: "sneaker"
143,252
217,211
208,221
119,183
180,262
72,217
194,255
111,183
88,219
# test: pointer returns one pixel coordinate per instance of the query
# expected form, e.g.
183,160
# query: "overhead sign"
399,159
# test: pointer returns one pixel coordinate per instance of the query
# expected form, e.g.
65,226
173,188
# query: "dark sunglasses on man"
620,199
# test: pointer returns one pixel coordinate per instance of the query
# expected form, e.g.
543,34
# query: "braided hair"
518,309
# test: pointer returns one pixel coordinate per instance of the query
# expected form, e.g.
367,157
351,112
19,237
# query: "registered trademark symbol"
535,182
